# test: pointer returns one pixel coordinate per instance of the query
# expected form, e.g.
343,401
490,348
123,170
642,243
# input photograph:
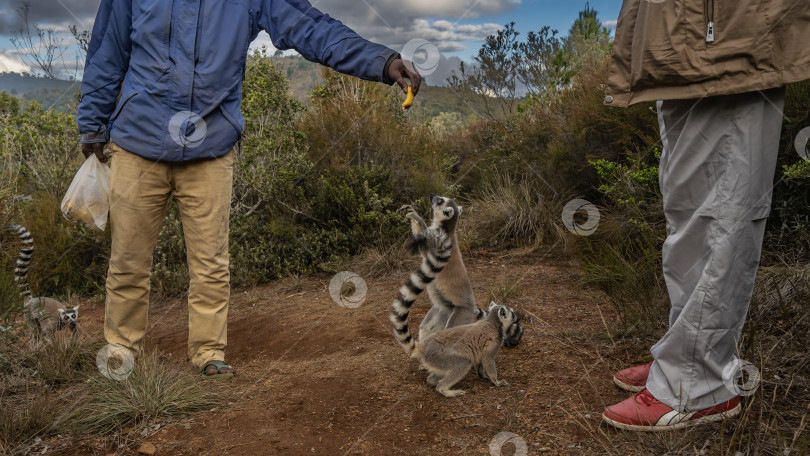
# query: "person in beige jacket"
717,70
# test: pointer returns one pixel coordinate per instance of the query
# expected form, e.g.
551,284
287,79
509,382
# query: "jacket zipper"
708,13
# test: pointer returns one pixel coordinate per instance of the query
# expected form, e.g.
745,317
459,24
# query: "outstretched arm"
296,24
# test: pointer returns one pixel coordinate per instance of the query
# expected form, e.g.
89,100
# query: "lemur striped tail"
23,260
435,256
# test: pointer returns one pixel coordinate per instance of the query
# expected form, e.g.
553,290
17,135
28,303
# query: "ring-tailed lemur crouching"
449,288
449,354
44,316
512,334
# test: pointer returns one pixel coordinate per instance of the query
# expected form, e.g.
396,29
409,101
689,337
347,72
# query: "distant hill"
302,74
51,93
432,100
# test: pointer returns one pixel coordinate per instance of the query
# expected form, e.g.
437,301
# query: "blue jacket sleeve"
105,67
296,24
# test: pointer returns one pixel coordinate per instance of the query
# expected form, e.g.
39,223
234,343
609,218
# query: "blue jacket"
182,63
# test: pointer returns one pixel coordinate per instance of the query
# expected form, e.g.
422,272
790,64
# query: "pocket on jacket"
120,107
231,121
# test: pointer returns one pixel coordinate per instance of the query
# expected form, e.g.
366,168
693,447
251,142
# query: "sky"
437,33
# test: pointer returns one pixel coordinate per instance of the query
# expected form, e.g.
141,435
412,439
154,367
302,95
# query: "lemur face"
506,315
444,208
70,317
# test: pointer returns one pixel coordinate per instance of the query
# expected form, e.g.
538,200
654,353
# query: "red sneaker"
633,379
643,412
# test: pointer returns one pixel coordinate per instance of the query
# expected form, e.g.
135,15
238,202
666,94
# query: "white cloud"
395,22
609,24
10,62
442,25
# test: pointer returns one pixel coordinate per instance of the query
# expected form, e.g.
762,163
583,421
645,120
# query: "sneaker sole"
683,424
627,386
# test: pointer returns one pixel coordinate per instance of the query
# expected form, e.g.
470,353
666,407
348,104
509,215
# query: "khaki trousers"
139,192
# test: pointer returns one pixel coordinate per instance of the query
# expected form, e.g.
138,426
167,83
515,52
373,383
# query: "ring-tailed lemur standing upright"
450,289
43,315
434,245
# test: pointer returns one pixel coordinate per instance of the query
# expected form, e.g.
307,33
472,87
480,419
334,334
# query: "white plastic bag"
88,198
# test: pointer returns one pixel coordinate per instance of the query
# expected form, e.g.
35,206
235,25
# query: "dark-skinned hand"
94,148
400,69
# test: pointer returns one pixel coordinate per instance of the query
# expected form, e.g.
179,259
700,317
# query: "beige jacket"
682,49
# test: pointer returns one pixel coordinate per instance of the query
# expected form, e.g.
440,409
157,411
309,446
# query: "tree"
507,69
493,79
588,24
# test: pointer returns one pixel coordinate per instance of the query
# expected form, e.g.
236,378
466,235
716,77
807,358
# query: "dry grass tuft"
156,389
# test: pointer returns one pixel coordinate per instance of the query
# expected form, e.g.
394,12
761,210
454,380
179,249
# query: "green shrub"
10,299
42,144
624,258
333,218
69,258
787,237
39,156
360,123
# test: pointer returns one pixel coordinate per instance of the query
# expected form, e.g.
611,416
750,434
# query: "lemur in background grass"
44,316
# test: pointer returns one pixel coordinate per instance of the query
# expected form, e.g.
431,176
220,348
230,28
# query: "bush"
38,156
301,204
360,123
69,258
788,234
334,217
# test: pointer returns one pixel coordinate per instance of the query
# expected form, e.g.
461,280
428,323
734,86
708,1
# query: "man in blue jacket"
178,67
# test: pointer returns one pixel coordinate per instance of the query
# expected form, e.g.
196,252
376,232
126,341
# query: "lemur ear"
492,304
61,313
460,208
76,308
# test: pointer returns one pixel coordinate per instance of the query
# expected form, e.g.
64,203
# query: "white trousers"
716,175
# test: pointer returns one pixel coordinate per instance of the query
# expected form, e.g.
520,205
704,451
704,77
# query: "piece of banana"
408,99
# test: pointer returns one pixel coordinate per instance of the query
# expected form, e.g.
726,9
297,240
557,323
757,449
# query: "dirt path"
316,378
